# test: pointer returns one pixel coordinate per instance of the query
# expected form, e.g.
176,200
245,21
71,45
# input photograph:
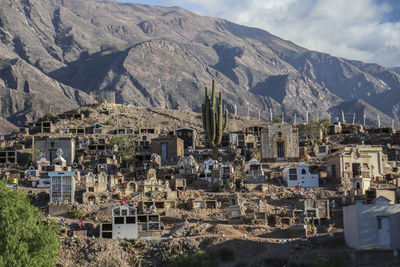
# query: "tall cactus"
214,123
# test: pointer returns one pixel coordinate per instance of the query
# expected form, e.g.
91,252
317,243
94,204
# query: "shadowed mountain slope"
163,57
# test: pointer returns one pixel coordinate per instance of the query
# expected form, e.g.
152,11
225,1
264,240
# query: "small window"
153,226
107,234
153,218
107,227
130,220
124,212
379,223
303,171
142,218
119,220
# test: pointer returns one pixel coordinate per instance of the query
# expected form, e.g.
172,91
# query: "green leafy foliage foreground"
199,258
25,240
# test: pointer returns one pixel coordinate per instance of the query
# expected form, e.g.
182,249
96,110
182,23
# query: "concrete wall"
50,146
175,147
124,230
361,224
58,210
394,224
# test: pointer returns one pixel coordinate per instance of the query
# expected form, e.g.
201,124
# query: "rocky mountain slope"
56,52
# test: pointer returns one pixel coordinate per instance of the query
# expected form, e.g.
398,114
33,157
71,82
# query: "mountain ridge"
165,56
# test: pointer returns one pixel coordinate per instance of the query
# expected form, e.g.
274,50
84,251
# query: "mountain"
396,69
165,56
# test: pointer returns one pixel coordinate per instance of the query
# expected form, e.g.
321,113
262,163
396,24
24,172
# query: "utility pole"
259,114
354,117
307,117
379,120
343,117
270,112
283,117
248,113
364,119
235,108
295,118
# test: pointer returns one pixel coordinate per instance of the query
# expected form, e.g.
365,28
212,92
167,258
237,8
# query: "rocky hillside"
56,52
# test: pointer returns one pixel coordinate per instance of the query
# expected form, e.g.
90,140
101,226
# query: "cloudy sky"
367,30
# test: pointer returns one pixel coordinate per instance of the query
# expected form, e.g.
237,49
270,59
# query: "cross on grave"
275,209
59,152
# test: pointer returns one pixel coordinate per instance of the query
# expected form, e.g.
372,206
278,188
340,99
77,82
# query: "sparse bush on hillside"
110,122
199,258
76,214
277,120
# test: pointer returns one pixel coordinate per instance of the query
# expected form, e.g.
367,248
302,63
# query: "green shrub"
76,214
226,254
277,120
199,258
125,147
25,240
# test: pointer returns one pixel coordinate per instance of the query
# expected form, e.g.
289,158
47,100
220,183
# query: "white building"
62,186
124,224
300,175
321,151
207,167
375,225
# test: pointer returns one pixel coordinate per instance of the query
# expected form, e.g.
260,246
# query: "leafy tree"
48,116
311,132
277,120
125,147
25,240
200,258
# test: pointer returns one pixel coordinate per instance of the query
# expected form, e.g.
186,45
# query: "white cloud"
353,29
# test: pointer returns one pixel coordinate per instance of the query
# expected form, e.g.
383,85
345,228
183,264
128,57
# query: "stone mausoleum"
280,142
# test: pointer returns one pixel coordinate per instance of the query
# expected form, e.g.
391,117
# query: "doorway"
164,152
280,149
356,169
383,231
